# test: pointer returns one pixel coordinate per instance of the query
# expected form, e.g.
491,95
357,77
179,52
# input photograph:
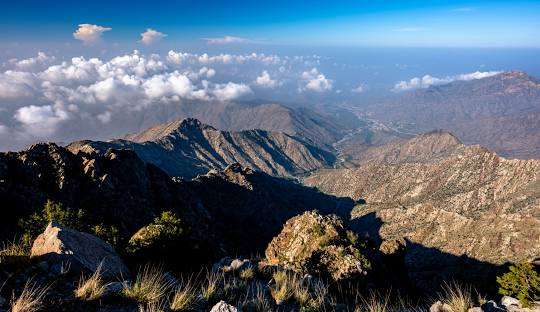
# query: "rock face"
222,306
501,112
315,244
465,205
187,148
82,250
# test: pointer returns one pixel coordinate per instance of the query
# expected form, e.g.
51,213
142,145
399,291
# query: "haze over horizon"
78,65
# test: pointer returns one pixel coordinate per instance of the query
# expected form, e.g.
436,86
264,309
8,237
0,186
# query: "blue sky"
315,22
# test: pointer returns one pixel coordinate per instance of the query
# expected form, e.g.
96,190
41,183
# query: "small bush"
110,234
36,223
247,274
31,298
185,297
91,288
522,281
150,286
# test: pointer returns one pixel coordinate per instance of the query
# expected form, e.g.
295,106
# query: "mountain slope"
187,148
463,200
119,189
501,112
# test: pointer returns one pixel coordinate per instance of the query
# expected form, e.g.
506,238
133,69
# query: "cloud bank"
428,80
225,40
42,98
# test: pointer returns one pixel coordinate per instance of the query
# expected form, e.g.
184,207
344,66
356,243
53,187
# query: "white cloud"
230,91
43,98
40,120
225,40
428,80
316,81
358,89
265,81
151,36
89,33
33,63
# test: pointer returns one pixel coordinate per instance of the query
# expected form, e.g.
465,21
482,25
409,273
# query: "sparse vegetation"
457,297
185,296
247,274
521,281
30,299
92,287
210,286
149,287
15,248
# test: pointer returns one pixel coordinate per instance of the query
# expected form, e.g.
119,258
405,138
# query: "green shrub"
165,229
36,223
110,233
522,281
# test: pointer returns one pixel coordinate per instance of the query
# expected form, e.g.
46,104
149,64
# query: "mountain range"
187,148
501,112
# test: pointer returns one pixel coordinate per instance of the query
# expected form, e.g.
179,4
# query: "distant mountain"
320,128
434,192
501,112
187,148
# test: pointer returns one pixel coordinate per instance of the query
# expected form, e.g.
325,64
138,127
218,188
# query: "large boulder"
316,244
82,251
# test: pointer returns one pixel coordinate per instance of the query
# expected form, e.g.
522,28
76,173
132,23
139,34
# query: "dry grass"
247,274
457,297
157,306
14,249
185,296
31,298
149,287
284,286
92,287
210,286
375,303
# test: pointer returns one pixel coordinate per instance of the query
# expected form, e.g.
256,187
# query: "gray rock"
222,306
113,289
440,307
475,309
508,301
229,265
61,245
2,301
491,306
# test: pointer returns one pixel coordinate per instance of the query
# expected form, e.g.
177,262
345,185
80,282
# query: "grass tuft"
210,287
457,297
185,296
149,287
31,298
92,287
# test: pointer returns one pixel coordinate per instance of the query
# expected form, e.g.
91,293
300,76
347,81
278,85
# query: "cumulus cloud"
316,81
428,80
42,98
225,40
33,63
40,120
358,89
151,36
265,81
89,33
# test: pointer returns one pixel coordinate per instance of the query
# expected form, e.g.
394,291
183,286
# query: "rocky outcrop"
222,306
187,148
78,250
466,205
315,244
